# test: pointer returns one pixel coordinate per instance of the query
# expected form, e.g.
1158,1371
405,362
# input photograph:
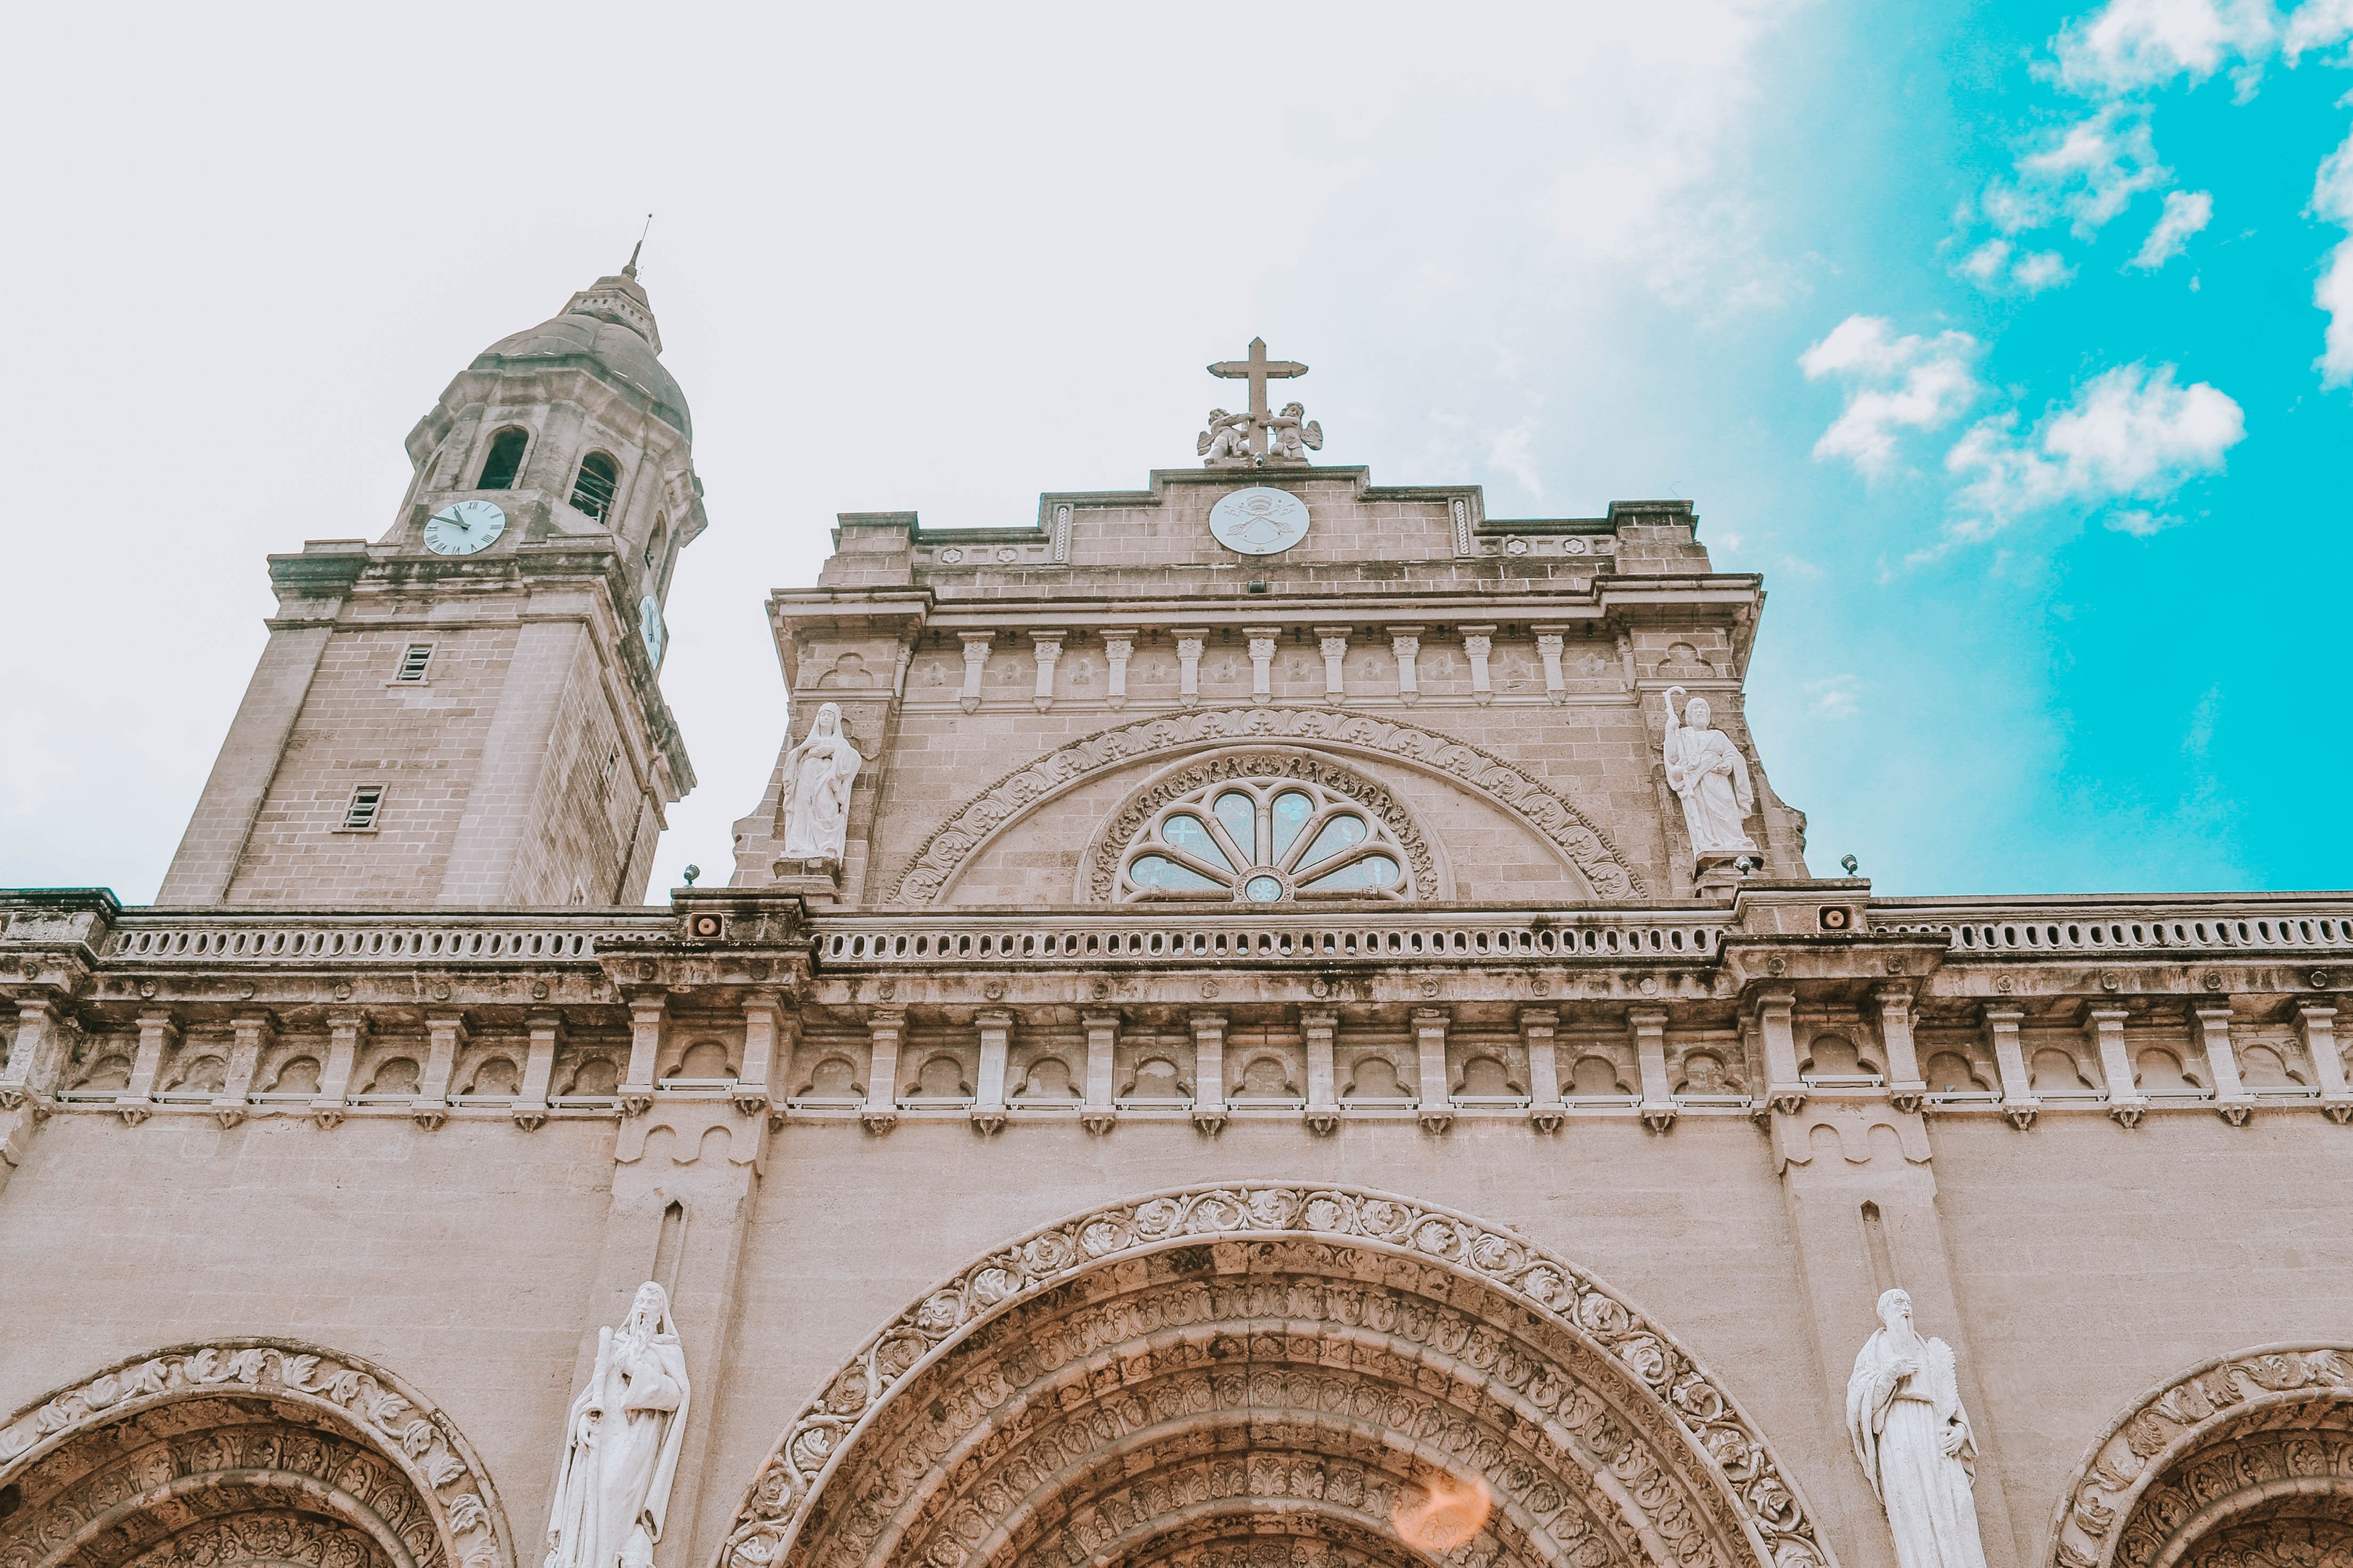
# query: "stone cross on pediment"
1258,438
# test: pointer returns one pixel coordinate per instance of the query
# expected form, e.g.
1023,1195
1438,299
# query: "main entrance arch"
1271,1376
2245,1462
239,1452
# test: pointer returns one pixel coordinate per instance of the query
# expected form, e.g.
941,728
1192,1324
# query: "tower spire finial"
631,270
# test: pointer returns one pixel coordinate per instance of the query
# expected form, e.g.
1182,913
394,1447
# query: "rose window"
1264,842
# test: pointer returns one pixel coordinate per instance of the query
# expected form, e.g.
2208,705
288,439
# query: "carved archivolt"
1158,1380
941,855
246,1450
2254,1439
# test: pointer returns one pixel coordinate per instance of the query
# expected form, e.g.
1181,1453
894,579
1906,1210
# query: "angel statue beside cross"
1256,439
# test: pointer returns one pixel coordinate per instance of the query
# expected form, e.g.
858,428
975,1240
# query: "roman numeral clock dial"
465,527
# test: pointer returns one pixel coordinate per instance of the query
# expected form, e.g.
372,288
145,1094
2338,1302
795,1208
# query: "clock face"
463,527
649,626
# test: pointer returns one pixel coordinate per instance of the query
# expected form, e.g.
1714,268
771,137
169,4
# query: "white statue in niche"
1904,1413
1707,771
621,1443
817,773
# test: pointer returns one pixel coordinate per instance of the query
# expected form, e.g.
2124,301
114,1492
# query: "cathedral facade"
1265,1021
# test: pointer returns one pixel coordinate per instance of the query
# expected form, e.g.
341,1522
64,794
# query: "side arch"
244,1451
1162,1380
2243,1462
936,862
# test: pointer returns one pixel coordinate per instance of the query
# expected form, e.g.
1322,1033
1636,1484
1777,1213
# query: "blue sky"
1997,336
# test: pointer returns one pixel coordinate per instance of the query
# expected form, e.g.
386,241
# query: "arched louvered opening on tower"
598,481
504,460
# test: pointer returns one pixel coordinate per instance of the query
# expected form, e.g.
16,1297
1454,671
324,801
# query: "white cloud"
2186,212
2332,199
2140,523
1984,265
2086,173
2318,25
2094,169
1510,451
2132,44
1894,385
2131,434
1836,695
2041,269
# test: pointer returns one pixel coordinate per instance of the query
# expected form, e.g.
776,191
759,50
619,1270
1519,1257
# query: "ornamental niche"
1270,1373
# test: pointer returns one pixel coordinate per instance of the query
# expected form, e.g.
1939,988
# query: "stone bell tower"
465,711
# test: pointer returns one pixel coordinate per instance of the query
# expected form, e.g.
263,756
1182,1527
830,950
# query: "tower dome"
607,330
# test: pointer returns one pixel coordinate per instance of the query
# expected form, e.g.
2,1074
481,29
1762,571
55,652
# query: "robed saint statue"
621,1443
1904,1414
815,803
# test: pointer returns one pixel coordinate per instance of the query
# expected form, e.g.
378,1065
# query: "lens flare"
1447,1518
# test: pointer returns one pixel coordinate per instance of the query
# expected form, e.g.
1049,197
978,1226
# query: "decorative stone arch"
1099,867
244,1451
2244,1462
1282,1367
936,862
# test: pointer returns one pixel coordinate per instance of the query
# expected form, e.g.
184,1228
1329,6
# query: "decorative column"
1437,1112
645,1049
1101,1112
1047,648
1540,1027
1477,642
253,1035
1649,1028
1784,1090
2125,1103
996,1043
1548,650
1210,1072
1119,646
529,1108
1406,643
1316,1029
764,1019
36,1054
1333,640
976,665
2317,1024
345,1034
2018,1102
2232,1099
158,1033
887,1028
1188,663
1905,1085
1261,652
445,1033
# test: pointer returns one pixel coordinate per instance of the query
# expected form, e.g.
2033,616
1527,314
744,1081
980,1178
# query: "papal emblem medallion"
1259,521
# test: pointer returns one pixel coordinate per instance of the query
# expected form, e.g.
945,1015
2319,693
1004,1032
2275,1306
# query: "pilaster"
2232,1101
1210,1072
1430,1025
1649,1028
1099,1113
2018,1102
995,1044
1316,1030
1540,1029
2125,1103
546,1034
887,1028
2316,1025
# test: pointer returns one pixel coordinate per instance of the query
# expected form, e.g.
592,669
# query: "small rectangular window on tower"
413,662
612,761
367,801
